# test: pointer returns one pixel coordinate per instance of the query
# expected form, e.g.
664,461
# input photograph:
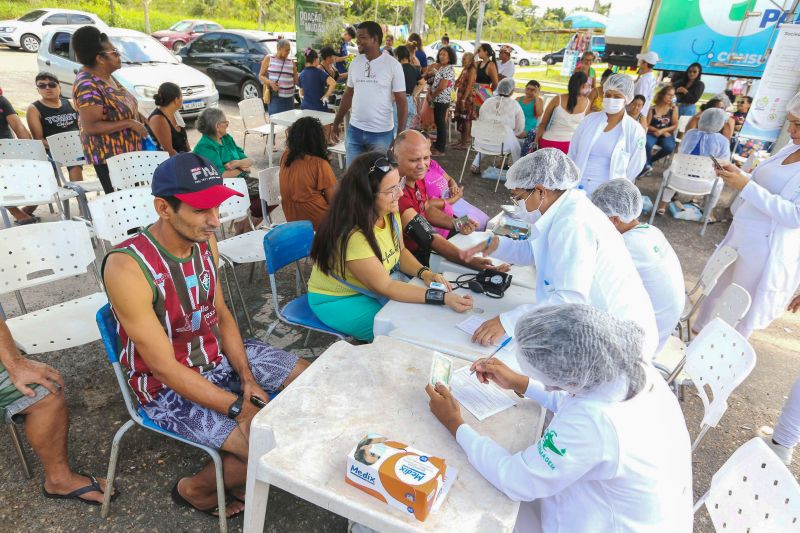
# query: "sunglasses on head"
47,85
384,164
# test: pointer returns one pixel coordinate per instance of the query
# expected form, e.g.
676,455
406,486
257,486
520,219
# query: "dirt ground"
149,465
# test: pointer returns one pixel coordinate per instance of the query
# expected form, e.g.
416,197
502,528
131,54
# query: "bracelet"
421,271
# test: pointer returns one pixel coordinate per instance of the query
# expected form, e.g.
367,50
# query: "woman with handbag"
279,75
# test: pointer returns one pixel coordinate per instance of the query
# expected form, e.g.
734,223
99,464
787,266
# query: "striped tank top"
183,301
281,71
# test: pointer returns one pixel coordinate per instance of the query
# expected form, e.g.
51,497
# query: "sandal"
661,211
76,494
474,169
211,511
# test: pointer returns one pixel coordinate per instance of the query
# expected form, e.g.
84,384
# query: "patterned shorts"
171,411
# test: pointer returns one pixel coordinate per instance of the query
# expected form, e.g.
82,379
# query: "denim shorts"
172,412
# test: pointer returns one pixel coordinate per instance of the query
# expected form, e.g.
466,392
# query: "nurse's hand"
444,407
467,254
490,332
732,176
495,370
794,305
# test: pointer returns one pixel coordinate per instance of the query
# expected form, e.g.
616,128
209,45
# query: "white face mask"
521,210
612,106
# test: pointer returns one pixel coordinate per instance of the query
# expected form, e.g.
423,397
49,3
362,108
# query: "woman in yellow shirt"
358,253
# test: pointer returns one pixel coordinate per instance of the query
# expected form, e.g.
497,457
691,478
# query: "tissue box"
399,475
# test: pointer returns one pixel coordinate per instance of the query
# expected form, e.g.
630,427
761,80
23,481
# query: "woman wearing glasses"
358,253
110,123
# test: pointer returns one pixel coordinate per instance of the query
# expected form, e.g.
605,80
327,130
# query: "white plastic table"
287,118
300,441
434,327
524,276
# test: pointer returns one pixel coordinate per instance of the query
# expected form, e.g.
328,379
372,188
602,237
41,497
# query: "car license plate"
195,104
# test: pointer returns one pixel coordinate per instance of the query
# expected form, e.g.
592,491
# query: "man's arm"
447,249
131,297
18,127
402,110
344,108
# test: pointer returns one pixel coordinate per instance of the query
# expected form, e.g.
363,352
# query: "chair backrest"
66,148
23,149
287,243
37,254
134,169
732,305
115,214
107,324
721,358
252,112
27,180
692,174
269,185
488,131
683,122
754,491
235,207
720,260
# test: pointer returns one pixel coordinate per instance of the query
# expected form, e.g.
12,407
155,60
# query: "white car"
522,57
27,31
459,47
146,64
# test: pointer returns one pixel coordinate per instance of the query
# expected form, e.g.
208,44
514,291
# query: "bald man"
413,153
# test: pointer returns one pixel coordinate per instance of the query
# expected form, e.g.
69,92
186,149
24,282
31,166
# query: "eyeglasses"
395,190
518,200
223,123
113,52
48,85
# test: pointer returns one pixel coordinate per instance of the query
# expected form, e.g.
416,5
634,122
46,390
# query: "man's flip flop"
183,502
76,494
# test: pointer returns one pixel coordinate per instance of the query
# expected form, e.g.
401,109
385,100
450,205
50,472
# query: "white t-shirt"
661,274
645,86
506,69
373,95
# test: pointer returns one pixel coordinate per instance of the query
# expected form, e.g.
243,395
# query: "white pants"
753,248
787,430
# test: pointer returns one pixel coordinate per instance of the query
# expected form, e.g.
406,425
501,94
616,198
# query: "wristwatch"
236,407
434,297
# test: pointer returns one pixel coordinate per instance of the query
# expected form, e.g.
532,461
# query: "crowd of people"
609,289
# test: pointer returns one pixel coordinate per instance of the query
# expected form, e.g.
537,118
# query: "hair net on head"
505,87
722,97
577,347
547,166
619,198
622,83
794,105
712,120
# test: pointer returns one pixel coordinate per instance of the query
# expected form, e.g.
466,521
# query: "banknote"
441,369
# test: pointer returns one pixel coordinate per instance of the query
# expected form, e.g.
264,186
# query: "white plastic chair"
485,132
66,149
244,248
269,190
753,491
27,182
115,214
255,123
720,260
689,174
340,150
38,254
134,169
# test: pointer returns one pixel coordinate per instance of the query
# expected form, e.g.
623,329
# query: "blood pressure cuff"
420,231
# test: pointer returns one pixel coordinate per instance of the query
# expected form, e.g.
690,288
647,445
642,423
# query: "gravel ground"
149,464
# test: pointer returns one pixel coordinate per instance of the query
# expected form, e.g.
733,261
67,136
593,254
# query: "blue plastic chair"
108,332
285,244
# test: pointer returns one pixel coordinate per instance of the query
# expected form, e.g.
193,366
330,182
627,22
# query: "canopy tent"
587,20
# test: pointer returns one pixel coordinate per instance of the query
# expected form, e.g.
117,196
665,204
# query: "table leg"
262,440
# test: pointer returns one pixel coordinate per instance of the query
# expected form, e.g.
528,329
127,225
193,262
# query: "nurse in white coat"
609,144
578,255
616,456
655,260
766,233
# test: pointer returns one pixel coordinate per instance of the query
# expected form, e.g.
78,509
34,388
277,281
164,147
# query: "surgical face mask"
612,106
378,450
521,209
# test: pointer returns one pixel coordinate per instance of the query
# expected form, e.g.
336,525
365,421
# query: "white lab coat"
580,258
661,274
779,276
628,157
604,465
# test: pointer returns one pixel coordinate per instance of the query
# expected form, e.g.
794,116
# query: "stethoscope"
707,53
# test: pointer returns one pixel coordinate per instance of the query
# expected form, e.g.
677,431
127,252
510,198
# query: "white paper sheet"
482,400
472,323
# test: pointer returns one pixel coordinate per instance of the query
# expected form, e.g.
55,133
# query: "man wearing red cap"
186,361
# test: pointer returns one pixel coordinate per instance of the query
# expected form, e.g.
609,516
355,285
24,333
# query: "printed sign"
316,23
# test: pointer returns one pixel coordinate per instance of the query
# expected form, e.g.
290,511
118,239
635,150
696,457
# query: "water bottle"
148,145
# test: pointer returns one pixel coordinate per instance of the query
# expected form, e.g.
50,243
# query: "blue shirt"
313,82
423,59
340,66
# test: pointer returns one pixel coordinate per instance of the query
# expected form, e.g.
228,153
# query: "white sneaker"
783,453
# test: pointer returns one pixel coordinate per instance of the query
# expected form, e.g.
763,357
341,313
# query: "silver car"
146,64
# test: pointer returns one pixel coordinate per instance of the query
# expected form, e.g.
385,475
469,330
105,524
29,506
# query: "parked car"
145,65
432,50
232,58
183,32
27,31
555,57
275,36
522,57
